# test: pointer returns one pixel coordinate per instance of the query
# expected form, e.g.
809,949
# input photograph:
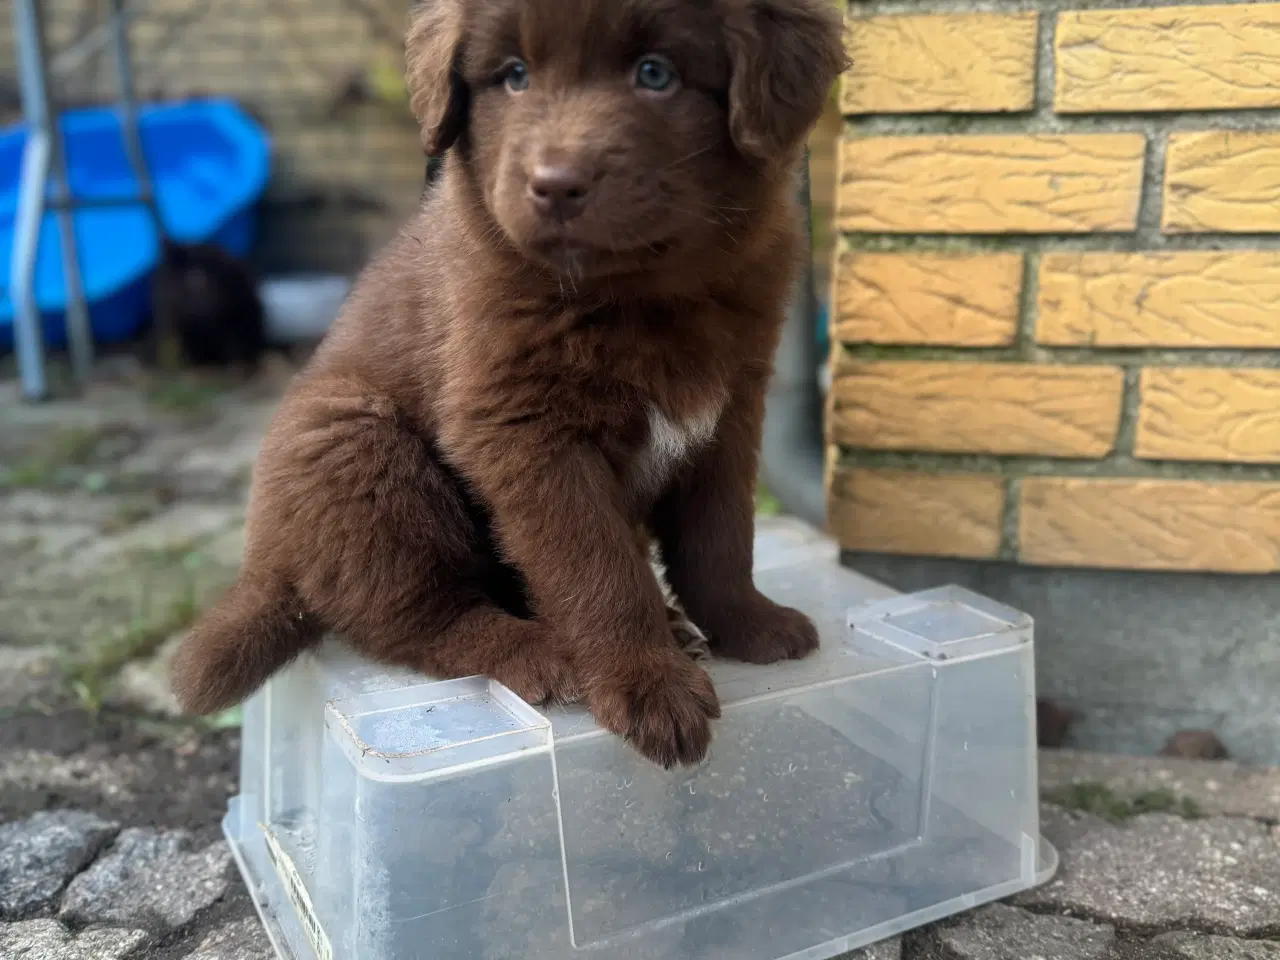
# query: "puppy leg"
380,542
452,639
705,526
556,509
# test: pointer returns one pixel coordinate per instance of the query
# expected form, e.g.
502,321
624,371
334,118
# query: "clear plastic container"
885,782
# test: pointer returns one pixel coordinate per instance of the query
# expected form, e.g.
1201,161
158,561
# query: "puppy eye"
655,74
515,74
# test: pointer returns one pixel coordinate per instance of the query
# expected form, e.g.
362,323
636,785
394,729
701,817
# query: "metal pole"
79,332
44,164
169,350
127,102
27,331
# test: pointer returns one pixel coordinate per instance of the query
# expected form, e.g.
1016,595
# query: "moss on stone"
1101,801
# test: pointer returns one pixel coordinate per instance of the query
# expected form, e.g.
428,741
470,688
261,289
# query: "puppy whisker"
685,159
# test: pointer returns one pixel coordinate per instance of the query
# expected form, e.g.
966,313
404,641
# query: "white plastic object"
300,309
885,782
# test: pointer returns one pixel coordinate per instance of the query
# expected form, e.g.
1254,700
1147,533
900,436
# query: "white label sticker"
296,891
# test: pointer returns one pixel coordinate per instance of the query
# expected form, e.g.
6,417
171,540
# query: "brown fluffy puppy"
573,337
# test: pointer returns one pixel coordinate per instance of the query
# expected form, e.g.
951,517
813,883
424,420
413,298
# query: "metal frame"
43,184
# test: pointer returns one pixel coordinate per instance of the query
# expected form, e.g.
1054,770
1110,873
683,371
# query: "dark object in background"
1052,723
205,307
206,302
10,100
1195,745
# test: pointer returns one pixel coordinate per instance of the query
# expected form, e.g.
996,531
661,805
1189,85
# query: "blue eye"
515,74
655,74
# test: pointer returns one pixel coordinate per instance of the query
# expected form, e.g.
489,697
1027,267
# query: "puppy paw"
687,636
765,632
539,675
663,709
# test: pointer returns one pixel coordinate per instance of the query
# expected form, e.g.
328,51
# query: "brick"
1199,413
966,62
1209,299
899,511
991,184
960,407
1223,180
964,301
1151,524
1168,58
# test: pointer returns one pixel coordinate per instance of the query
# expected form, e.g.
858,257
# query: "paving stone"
164,535
210,460
181,780
40,855
50,940
49,507
22,423
1218,788
111,594
1158,871
1196,745
182,526
149,878
227,548
89,554
240,940
1002,932
45,541
45,772
884,950
26,673
222,466
1196,946
38,527
144,684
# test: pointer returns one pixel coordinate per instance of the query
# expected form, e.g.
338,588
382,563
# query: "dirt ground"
121,515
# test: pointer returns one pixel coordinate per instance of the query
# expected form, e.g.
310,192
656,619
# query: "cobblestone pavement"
122,514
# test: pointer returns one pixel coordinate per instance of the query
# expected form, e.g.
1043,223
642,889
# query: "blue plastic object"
209,162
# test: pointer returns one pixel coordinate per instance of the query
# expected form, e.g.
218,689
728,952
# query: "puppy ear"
785,55
438,95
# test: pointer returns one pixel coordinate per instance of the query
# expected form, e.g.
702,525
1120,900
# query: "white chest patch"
668,445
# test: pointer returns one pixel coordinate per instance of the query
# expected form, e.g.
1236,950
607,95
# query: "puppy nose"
558,190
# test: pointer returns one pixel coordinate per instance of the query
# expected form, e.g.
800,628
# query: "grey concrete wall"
1139,655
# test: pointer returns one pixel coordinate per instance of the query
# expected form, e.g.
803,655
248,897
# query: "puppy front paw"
765,632
663,708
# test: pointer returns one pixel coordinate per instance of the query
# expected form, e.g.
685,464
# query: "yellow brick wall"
1056,303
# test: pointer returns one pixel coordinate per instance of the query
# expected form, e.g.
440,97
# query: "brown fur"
455,481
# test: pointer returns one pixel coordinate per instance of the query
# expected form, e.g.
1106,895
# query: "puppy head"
608,136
